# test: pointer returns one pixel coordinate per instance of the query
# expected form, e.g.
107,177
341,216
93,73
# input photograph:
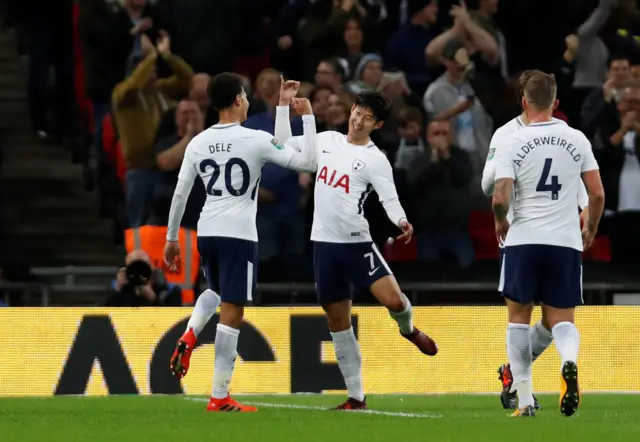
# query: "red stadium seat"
109,139
482,232
600,250
399,251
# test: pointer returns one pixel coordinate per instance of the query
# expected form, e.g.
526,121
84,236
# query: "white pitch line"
317,408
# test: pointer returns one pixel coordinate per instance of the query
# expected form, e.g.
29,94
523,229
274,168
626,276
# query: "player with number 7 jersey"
228,158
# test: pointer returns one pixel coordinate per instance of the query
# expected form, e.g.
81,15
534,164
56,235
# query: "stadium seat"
399,251
482,232
600,250
109,139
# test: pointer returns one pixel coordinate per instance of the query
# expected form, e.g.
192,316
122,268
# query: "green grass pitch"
303,418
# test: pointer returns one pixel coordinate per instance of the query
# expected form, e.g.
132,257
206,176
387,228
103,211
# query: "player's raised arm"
283,154
591,178
186,177
381,177
288,90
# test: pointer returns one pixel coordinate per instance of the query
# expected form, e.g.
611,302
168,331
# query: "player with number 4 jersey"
228,158
350,167
545,163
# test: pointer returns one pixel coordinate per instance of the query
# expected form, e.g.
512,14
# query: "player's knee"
397,302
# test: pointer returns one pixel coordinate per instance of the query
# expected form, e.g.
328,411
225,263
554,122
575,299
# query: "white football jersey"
499,138
347,174
229,159
546,161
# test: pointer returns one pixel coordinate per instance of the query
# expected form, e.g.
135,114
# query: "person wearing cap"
367,74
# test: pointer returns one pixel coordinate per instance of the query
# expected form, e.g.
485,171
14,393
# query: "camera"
138,272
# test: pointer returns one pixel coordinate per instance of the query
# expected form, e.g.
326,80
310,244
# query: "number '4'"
554,187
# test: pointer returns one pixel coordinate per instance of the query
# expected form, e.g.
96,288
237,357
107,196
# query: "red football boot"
181,356
352,404
230,405
424,343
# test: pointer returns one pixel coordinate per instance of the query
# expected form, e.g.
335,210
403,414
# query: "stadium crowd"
449,67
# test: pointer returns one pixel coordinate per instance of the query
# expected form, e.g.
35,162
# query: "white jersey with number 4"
498,140
229,159
546,160
346,175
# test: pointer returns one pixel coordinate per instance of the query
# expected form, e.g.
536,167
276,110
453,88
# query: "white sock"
226,345
567,339
404,318
541,338
350,361
519,352
205,307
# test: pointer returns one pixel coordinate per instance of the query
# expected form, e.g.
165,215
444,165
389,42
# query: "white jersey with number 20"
546,160
229,159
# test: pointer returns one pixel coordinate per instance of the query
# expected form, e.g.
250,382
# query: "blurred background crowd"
121,86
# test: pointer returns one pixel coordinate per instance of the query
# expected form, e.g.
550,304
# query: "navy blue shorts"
342,267
550,275
230,266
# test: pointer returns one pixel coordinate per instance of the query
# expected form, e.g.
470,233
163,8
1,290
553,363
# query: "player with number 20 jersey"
228,158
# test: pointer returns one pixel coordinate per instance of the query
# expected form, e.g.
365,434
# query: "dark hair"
617,56
410,114
316,89
335,65
379,106
223,90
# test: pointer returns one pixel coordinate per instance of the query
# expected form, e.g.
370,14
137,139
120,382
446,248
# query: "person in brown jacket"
138,105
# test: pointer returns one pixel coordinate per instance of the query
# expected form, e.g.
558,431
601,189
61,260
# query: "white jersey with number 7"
546,160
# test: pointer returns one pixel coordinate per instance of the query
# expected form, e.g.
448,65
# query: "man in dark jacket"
440,180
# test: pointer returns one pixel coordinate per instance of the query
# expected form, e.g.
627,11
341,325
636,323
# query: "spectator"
135,288
198,94
138,12
322,31
267,82
452,98
405,50
138,103
170,152
319,97
367,75
338,111
330,73
440,181
353,47
600,105
481,47
394,87
107,36
410,124
620,169
305,89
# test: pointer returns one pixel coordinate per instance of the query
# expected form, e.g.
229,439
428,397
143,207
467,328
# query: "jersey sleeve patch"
277,143
491,154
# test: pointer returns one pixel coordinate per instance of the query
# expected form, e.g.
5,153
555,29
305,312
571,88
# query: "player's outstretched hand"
302,106
407,231
587,237
288,90
172,255
502,228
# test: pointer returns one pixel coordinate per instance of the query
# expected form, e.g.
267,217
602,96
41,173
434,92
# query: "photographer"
138,284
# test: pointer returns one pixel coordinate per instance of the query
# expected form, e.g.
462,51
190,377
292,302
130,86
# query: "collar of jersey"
223,126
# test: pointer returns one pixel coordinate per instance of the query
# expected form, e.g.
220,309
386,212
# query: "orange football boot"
230,405
352,404
424,343
182,355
